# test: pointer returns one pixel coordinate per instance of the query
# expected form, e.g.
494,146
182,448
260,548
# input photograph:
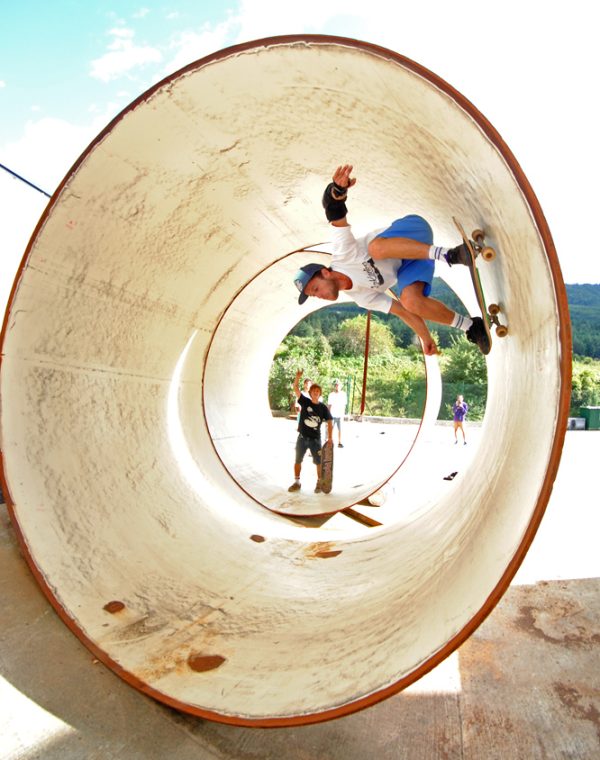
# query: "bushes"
329,344
585,389
396,383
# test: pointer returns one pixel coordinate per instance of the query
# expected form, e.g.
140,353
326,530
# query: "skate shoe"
295,486
477,334
318,488
458,255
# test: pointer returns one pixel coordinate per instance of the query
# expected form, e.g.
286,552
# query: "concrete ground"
525,685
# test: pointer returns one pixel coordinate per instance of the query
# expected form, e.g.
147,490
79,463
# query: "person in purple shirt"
460,410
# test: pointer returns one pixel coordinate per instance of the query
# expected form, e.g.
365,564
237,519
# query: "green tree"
311,354
464,373
349,339
585,387
464,363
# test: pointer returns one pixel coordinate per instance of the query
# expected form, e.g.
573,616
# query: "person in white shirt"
402,254
336,402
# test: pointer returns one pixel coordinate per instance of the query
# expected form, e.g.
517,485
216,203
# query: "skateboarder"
312,414
402,255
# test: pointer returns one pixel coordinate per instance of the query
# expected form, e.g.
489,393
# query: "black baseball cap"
303,276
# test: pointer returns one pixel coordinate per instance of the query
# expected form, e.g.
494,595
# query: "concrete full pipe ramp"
136,349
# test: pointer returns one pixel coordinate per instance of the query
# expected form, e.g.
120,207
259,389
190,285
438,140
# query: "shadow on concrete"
527,686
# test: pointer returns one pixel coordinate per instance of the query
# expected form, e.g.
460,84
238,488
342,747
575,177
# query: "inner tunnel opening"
253,425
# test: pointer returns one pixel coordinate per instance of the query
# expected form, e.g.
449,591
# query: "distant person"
460,410
337,406
312,415
403,255
305,388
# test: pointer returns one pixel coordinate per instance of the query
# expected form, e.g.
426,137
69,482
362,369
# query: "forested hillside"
330,343
584,306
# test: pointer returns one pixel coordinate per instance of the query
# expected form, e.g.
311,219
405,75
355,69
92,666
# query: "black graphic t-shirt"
311,417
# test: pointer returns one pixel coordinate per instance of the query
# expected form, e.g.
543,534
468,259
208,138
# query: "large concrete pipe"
139,336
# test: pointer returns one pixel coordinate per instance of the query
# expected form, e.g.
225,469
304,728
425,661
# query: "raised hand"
341,176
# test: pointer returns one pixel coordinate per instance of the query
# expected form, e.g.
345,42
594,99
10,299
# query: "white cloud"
141,13
2,83
263,18
49,146
43,155
123,56
190,45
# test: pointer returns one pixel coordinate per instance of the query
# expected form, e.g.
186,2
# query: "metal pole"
365,364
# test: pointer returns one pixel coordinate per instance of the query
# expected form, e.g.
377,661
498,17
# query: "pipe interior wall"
135,357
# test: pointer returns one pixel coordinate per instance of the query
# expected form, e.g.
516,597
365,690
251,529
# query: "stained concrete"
525,686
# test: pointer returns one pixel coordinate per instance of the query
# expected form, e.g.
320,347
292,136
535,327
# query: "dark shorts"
312,444
413,270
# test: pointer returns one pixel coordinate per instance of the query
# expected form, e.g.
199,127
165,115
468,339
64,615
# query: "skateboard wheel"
478,236
494,309
502,331
488,253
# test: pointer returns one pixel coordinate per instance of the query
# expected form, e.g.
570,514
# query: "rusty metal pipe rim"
157,561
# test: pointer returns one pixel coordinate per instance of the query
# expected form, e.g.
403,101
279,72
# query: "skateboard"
327,466
477,247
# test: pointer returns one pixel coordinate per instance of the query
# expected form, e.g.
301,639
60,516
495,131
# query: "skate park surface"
525,685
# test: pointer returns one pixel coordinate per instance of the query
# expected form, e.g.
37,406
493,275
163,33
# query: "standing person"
337,406
305,392
401,255
306,387
460,410
312,414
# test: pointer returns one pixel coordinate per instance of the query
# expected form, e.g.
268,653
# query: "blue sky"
67,68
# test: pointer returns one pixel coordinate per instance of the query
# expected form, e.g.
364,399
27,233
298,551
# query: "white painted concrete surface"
115,373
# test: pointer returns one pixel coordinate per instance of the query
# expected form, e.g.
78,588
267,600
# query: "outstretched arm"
418,325
335,195
297,383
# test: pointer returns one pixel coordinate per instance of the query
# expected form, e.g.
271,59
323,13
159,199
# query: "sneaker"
458,255
340,445
295,486
477,334
318,488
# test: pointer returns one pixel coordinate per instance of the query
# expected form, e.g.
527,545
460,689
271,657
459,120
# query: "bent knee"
412,297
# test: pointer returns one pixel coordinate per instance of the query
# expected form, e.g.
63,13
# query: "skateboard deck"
327,466
475,248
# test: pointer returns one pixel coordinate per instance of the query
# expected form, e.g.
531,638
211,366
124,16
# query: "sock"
437,252
463,323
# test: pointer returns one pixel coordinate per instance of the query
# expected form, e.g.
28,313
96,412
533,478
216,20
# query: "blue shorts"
413,270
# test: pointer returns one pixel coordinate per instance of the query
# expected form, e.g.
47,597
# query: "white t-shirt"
370,279
337,403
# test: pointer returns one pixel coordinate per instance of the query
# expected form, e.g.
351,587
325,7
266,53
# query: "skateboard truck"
493,311
477,247
486,252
